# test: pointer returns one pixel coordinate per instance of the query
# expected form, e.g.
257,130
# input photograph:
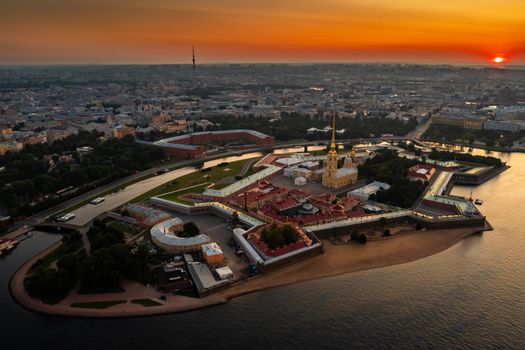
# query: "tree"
76,177
235,218
289,234
273,239
109,160
278,236
362,238
72,237
50,285
190,229
69,263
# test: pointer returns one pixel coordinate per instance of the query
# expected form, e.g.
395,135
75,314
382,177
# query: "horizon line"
457,64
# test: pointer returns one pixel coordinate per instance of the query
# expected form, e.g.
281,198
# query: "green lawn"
145,302
98,304
204,175
175,196
320,152
221,186
62,250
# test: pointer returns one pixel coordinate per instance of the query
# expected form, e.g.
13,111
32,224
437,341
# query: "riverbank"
486,148
22,226
336,260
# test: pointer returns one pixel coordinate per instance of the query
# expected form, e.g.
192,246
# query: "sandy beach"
336,260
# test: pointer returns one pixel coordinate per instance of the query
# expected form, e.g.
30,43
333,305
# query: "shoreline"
483,147
336,260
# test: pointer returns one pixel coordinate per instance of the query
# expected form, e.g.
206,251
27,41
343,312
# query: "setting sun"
498,59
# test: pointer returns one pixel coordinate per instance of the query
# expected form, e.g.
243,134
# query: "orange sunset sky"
163,31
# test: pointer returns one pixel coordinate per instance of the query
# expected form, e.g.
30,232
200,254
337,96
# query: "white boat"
478,201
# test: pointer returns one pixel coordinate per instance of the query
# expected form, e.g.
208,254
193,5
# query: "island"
258,223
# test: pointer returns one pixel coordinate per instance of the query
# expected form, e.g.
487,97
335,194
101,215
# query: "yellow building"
334,177
54,135
473,123
121,131
445,120
10,147
212,253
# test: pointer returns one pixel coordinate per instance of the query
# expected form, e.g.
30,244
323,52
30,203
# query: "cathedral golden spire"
332,145
332,176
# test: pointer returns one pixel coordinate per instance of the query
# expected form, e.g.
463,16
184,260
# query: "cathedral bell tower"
330,170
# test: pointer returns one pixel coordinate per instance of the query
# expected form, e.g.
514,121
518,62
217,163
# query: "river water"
470,296
88,212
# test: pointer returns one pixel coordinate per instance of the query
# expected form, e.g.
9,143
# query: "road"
88,212
25,225
419,130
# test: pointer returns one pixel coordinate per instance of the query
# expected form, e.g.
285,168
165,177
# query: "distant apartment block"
469,122
54,135
501,125
121,131
447,120
10,147
473,123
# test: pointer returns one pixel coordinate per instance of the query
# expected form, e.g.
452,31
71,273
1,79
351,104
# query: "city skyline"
137,31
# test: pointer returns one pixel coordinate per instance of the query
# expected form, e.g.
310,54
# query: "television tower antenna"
193,56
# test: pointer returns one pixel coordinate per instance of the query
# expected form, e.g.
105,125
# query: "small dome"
300,181
338,207
263,183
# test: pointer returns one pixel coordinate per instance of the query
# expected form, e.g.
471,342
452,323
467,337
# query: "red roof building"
187,146
255,239
421,172
259,196
286,204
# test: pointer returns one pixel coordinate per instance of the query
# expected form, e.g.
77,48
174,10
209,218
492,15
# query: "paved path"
18,228
245,167
336,260
419,130
133,290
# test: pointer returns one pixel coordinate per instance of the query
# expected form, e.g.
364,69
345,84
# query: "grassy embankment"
145,302
193,183
63,249
50,277
109,303
98,304
171,167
